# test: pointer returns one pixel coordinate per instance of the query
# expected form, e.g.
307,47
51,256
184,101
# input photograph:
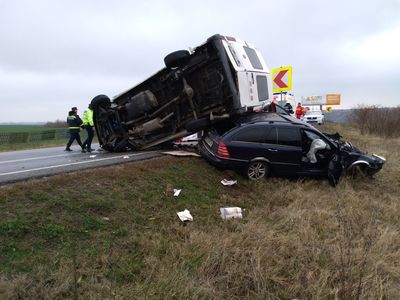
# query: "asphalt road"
37,163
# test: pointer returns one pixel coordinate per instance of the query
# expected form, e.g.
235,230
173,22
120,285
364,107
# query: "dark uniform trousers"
74,135
88,142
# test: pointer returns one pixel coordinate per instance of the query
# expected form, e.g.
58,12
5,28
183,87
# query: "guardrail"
7,138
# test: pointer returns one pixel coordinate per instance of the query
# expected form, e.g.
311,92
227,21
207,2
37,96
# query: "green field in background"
19,137
23,128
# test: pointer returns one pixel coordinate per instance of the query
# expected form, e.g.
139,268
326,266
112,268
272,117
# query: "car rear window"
253,134
288,136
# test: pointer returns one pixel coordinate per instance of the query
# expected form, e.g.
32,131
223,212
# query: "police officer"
74,126
88,124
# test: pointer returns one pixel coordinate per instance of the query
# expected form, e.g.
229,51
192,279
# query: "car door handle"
272,150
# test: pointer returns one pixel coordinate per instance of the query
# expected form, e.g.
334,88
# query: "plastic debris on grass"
231,213
185,216
177,192
227,182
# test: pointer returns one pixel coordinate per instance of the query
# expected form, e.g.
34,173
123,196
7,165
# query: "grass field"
20,137
22,128
113,233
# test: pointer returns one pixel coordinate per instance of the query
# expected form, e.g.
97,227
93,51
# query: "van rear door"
253,76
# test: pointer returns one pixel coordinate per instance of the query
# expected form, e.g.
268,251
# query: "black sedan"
261,144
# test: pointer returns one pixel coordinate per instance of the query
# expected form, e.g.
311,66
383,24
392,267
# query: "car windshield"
313,112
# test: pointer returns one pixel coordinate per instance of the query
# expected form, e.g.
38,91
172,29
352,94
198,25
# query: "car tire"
358,171
176,59
256,170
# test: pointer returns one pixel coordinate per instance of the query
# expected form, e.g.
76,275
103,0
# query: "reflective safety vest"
88,117
74,122
299,111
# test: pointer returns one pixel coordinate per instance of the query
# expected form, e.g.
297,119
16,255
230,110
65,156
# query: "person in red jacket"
299,111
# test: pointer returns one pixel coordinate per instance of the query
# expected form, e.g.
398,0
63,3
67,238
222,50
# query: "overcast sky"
59,54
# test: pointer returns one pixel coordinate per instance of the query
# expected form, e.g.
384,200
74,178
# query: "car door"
288,150
323,156
335,169
247,142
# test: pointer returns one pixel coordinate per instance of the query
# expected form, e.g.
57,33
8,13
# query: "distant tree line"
377,120
56,124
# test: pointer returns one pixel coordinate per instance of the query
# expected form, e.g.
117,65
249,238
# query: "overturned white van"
218,79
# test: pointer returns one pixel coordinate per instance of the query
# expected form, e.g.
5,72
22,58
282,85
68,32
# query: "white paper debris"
228,182
106,218
185,215
231,213
181,153
92,156
126,156
177,192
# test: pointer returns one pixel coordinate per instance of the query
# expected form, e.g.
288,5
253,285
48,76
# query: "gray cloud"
58,54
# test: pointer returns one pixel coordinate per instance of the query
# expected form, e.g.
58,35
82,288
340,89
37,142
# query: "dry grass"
298,238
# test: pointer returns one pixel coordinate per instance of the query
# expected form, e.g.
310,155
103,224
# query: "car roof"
269,117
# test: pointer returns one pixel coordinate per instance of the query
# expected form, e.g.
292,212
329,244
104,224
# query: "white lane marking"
70,164
34,158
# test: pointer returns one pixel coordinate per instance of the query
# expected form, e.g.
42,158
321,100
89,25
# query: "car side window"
310,136
271,136
289,136
253,134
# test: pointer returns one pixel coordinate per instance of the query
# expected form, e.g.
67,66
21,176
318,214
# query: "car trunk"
212,137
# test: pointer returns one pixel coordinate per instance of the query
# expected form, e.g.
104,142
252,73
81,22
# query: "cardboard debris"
185,216
231,213
181,153
227,182
177,192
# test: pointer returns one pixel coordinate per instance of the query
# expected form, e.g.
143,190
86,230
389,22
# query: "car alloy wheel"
257,170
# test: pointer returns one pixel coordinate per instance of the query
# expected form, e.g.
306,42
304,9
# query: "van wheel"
101,100
176,59
257,170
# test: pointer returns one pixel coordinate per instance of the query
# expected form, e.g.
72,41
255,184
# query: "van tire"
101,100
197,125
176,59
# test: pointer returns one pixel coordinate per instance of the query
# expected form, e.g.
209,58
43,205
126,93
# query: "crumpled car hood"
350,156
